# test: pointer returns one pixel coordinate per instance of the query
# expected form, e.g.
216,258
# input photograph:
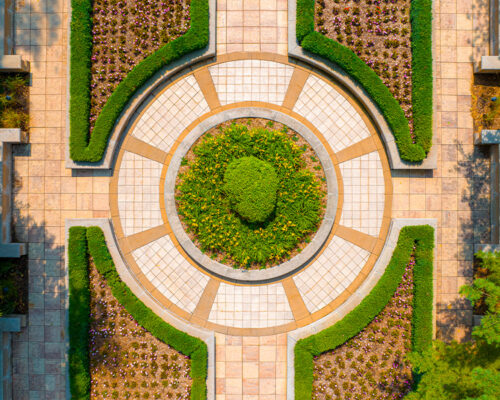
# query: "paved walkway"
47,193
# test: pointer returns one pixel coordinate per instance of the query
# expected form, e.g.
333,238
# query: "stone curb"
251,276
128,278
364,289
335,73
182,65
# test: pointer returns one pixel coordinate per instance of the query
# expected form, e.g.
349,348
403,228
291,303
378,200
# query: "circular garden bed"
251,193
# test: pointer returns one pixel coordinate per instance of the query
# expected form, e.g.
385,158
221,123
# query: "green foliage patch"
91,149
250,185
79,313
346,59
416,239
206,209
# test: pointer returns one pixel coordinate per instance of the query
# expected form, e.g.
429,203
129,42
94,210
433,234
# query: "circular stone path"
231,88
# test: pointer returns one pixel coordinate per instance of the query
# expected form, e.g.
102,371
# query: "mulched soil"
485,112
372,365
312,164
126,32
378,31
126,361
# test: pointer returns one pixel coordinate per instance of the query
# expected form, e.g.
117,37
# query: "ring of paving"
230,88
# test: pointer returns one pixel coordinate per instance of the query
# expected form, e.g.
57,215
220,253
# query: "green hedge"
79,314
421,20
193,347
85,149
354,322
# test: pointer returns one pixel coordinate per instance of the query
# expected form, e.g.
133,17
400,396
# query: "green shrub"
414,239
79,313
205,208
83,148
9,295
347,60
251,185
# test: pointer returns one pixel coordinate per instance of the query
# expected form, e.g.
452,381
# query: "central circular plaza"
250,196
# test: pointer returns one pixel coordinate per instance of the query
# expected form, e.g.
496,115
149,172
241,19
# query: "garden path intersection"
251,76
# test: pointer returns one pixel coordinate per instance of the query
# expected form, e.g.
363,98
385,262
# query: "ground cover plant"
357,338
126,361
347,21
486,101
282,224
124,33
91,148
14,103
117,344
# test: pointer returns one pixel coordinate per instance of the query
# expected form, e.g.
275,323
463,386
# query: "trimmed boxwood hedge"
79,239
422,237
91,149
79,314
421,42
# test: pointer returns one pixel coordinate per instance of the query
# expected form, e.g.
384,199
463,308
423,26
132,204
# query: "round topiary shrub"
250,185
247,197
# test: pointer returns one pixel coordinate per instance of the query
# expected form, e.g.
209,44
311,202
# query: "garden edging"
141,293
355,299
163,75
251,276
395,160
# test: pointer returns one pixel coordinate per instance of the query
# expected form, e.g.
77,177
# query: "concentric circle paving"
360,193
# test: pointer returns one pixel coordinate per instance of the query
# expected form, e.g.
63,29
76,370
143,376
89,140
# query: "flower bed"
416,240
411,148
379,33
85,242
14,104
126,361
124,33
373,363
219,227
82,146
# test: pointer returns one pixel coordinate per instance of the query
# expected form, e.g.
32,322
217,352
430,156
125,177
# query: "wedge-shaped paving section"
170,273
251,306
168,115
336,118
138,193
364,193
251,80
333,271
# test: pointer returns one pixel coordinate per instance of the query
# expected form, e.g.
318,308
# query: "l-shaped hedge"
91,148
420,237
345,58
83,242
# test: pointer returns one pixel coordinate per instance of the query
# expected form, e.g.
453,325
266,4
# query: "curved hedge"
421,20
93,237
354,322
81,147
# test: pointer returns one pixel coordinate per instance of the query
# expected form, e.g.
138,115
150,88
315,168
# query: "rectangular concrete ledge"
488,136
8,325
489,64
9,62
142,293
7,138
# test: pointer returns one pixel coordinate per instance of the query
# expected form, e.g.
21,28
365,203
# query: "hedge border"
422,83
328,339
83,148
94,243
